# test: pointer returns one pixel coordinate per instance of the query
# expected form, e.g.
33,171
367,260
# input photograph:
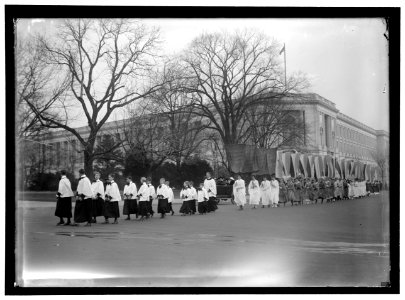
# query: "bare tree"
37,84
109,63
231,76
144,135
233,73
273,124
381,159
184,131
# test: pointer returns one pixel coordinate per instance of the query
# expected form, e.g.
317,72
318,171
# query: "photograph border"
12,12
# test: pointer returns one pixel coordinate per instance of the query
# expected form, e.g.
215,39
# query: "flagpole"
285,67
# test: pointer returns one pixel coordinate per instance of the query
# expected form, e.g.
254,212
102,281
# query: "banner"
311,166
338,170
317,167
287,163
279,166
342,167
235,154
321,166
303,165
295,163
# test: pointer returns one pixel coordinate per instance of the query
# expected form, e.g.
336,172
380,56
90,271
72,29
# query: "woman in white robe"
274,192
265,191
254,192
239,192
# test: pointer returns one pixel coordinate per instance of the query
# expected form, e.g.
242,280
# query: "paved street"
335,244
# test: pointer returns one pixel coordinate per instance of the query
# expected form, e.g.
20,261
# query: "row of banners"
249,159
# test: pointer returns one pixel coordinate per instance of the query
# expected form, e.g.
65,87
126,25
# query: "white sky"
346,59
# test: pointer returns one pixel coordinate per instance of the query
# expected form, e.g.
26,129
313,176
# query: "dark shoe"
60,223
127,219
172,213
106,222
94,221
66,224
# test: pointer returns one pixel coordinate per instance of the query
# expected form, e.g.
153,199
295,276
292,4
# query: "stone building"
327,131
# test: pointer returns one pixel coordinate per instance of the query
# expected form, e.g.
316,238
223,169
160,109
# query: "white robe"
171,195
130,189
211,187
65,189
113,191
275,191
202,195
265,191
254,192
193,193
152,191
185,194
84,187
163,190
98,188
239,192
143,192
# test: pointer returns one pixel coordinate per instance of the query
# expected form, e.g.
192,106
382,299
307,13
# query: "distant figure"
202,198
211,187
143,200
239,192
64,200
193,198
163,195
290,191
83,206
185,195
112,197
274,191
98,197
130,199
171,198
152,195
265,192
254,192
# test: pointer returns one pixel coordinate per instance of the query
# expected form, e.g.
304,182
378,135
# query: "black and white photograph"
178,152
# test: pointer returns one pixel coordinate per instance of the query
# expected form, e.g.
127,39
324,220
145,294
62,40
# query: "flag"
282,50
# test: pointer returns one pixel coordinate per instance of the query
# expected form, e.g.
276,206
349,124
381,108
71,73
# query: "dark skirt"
98,207
192,205
185,208
322,193
169,207
130,207
162,206
346,192
331,192
283,196
143,208
299,195
111,209
83,209
291,195
212,204
150,209
202,207
64,207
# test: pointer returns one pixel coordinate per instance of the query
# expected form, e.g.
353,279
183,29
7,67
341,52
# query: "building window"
66,152
57,153
74,150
